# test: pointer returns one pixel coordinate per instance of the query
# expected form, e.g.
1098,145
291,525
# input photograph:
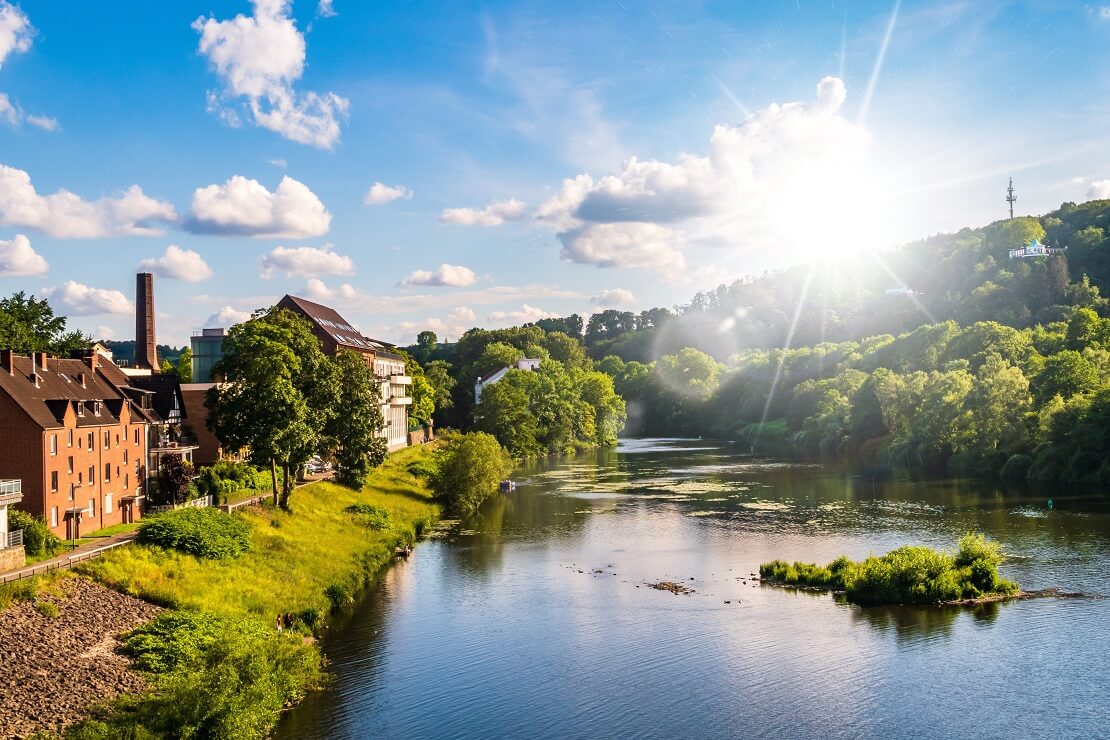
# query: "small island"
908,575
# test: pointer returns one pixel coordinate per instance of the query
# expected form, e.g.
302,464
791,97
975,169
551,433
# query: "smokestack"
146,346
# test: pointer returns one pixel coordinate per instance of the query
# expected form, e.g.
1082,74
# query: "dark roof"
60,388
338,328
165,388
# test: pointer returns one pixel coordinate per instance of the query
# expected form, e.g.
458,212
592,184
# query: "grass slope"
295,558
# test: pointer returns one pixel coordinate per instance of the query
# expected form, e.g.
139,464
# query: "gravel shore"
53,668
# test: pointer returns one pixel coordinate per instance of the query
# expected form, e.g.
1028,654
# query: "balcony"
400,379
11,491
11,539
400,401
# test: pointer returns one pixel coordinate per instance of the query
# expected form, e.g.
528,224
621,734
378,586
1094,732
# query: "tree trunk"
287,486
273,478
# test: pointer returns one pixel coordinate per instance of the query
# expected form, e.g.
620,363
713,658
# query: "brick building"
76,438
335,333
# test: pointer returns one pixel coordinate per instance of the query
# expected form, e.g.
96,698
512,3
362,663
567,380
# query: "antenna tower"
1010,197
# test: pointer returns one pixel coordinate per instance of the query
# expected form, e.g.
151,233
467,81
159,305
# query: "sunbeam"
878,68
782,358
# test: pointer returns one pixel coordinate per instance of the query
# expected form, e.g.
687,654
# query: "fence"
198,503
62,564
11,539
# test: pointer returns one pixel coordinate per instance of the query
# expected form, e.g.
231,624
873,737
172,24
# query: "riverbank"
302,563
58,653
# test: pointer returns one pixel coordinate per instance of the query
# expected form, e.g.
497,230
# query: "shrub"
424,467
468,470
911,574
372,516
206,533
1016,469
47,609
339,595
37,537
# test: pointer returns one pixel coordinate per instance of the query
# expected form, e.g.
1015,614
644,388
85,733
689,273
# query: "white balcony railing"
11,539
401,379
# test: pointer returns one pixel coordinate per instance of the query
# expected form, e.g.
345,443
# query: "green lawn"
101,534
294,557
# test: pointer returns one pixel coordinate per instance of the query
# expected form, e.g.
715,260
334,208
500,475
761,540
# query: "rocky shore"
58,655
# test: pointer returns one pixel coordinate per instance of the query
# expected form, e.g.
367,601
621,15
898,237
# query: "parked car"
316,465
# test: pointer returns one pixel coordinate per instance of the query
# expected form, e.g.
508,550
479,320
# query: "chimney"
146,346
81,379
40,359
7,360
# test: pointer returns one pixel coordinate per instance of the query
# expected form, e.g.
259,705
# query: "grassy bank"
218,665
295,558
908,575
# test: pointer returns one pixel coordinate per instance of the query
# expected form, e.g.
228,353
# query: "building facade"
208,349
335,333
76,440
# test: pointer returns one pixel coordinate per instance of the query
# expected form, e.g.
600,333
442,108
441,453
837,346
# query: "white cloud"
260,57
244,207
225,317
1104,12
524,315
8,111
380,193
16,31
1100,189
613,297
455,325
455,276
178,264
46,123
492,215
631,244
105,332
82,300
18,259
305,262
279,163
324,9
66,215
743,193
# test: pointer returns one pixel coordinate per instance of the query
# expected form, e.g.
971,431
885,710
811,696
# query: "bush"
907,575
206,533
424,467
372,516
468,470
339,595
37,537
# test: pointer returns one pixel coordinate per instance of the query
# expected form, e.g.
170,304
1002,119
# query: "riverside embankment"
302,563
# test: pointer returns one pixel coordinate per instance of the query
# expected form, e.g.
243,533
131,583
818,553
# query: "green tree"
1065,374
438,373
468,471
999,402
28,324
353,430
280,394
496,356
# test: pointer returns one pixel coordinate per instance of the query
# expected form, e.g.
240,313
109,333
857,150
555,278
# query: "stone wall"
12,558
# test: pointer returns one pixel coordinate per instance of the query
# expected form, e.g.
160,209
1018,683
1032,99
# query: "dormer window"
80,408
96,408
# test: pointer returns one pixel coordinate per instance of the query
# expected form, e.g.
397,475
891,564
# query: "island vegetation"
908,575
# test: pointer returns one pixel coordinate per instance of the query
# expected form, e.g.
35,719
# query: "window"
53,480
92,474
80,408
107,440
69,461
70,443
107,472
92,507
72,491
126,482
136,435
107,503
92,440
53,444
54,516
117,439
125,457
96,408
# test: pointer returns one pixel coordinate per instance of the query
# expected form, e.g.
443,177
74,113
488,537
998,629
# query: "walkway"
70,558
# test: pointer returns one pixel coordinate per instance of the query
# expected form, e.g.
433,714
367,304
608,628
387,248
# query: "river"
535,620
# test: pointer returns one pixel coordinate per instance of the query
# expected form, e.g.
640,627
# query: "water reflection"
534,619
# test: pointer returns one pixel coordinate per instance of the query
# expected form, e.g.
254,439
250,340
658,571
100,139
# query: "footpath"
71,557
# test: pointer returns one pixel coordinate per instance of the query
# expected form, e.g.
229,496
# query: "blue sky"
533,158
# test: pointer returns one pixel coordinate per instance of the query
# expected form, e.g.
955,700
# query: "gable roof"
59,390
330,322
167,397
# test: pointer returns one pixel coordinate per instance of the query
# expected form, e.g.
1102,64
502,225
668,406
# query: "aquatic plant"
908,575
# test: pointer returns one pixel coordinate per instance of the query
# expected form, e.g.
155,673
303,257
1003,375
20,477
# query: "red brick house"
76,439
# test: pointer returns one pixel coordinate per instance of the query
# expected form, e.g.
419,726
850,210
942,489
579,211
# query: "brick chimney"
146,346
7,360
40,360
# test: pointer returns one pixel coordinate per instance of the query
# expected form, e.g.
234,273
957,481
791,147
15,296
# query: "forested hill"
966,277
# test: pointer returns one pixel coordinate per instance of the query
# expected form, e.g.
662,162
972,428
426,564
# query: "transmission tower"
1011,198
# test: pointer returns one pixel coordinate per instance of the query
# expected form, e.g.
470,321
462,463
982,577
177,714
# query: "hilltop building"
530,365
1035,249
336,333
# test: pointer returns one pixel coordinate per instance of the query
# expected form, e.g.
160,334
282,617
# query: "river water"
535,620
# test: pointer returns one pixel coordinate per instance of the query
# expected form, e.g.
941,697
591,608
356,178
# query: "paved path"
70,558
